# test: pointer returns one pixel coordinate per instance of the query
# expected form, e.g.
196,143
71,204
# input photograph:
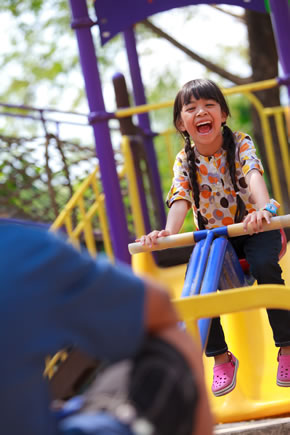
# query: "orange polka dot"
223,169
185,185
227,221
251,210
203,170
212,179
181,193
233,209
219,213
205,194
244,147
206,205
218,163
208,215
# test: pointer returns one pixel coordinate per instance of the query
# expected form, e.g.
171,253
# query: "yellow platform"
249,337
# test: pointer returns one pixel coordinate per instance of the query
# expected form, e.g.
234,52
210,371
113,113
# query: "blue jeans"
262,253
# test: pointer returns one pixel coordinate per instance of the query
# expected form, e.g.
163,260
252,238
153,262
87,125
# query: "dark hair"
202,88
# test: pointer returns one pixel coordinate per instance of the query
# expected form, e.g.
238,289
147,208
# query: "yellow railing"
213,305
133,188
76,209
280,121
84,229
278,113
145,108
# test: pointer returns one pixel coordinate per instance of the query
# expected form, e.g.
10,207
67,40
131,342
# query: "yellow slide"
249,337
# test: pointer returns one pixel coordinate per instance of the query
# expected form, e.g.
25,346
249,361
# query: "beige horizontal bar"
187,239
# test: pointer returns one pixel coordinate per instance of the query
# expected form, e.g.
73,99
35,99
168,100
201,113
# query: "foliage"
28,186
30,44
40,60
240,118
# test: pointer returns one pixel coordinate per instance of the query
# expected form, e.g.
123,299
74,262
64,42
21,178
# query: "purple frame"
115,17
280,17
99,121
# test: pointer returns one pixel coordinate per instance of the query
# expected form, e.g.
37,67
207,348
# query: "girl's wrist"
272,207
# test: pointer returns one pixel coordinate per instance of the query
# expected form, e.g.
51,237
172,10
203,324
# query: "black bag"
156,389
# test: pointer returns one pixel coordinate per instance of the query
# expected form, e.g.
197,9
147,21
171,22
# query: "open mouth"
204,127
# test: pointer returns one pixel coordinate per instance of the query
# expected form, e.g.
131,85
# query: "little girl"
219,175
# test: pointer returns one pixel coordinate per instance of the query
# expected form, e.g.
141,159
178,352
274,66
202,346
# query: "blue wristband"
272,207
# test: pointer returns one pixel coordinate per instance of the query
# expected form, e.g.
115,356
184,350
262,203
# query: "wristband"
272,207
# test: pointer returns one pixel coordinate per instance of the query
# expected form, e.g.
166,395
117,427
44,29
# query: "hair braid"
229,145
190,156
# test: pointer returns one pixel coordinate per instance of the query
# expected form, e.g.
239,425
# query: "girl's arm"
175,219
176,216
260,194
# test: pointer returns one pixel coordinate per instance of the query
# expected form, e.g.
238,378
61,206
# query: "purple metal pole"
143,119
114,204
280,16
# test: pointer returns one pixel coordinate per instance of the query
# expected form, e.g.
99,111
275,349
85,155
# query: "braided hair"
208,90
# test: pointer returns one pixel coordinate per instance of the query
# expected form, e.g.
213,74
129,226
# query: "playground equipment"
214,265
254,396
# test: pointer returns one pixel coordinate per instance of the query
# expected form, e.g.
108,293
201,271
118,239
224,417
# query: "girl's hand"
151,238
255,219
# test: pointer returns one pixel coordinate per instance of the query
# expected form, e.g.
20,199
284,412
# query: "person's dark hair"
206,89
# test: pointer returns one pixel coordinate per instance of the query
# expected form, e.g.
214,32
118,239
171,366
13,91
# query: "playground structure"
214,265
255,396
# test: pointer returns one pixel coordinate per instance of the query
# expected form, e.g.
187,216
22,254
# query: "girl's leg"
262,253
216,344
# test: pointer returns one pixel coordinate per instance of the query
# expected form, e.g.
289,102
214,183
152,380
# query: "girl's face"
203,119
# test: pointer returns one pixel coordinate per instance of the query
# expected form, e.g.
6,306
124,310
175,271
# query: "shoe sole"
282,383
230,387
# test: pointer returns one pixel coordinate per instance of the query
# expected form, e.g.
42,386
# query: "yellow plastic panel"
250,338
256,395
172,277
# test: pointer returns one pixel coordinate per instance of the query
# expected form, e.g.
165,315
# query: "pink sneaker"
225,376
283,375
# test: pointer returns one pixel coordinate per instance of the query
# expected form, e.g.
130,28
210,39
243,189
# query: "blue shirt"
51,297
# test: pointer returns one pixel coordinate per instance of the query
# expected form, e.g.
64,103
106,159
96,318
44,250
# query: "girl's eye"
209,104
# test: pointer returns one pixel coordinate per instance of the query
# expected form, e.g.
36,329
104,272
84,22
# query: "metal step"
270,426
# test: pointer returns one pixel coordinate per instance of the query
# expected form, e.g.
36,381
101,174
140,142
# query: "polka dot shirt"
217,195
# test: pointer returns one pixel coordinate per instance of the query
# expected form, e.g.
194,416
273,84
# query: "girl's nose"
201,111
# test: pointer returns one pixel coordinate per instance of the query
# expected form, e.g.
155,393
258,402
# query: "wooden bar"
187,239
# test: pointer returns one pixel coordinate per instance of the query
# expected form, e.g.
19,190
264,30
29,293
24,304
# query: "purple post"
143,119
114,204
280,16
